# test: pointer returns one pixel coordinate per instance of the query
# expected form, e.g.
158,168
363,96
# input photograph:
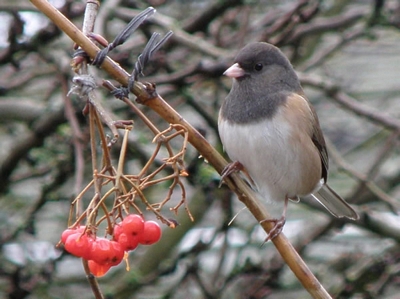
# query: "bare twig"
346,37
364,180
349,103
180,36
42,128
326,24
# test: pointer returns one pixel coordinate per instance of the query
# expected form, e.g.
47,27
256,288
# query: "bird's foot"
276,230
229,169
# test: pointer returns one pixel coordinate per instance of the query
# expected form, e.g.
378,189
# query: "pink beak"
235,71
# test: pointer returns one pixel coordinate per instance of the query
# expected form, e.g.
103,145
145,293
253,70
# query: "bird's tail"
334,203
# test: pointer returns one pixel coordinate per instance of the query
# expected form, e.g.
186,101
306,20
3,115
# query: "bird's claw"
229,169
276,230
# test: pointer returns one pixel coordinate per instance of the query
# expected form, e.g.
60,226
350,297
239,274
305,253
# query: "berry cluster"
103,253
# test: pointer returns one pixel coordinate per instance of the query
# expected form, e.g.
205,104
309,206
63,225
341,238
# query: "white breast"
269,155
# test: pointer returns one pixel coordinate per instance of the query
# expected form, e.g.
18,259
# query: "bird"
271,133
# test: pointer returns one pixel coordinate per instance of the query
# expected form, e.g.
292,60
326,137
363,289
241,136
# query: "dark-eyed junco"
271,132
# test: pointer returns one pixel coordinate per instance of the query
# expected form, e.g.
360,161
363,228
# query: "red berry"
105,251
98,269
151,233
79,245
128,242
133,225
117,231
70,231
118,253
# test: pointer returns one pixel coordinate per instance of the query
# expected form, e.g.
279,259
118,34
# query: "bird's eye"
258,67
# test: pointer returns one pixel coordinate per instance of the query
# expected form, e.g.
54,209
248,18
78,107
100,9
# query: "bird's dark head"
264,65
